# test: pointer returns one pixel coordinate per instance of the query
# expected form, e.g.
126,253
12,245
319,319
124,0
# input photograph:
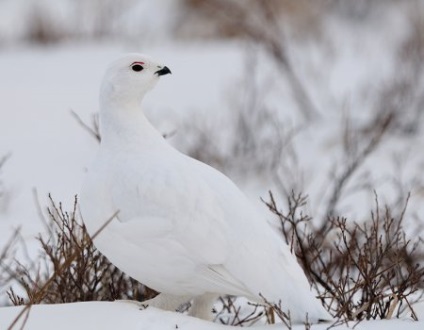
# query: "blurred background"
323,97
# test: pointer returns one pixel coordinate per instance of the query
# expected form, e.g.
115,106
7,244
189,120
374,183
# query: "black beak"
165,70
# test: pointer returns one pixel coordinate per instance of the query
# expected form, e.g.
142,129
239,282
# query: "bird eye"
137,67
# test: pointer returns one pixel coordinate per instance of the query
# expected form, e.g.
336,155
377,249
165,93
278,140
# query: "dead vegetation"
69,268
403,95
362,270
261,24
367,270
255,128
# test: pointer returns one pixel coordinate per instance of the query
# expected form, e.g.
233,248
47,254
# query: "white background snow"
49,151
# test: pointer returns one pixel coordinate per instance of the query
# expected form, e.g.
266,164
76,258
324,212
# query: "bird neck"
124,124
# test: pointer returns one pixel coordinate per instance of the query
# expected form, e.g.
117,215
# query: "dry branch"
361,270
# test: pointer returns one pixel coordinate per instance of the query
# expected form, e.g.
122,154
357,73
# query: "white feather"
183,228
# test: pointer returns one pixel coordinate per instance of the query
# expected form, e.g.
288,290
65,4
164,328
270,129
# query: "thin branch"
93,131
351,168
58,272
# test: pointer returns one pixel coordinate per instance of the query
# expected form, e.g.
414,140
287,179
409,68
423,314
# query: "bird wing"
199,233
170,199
176,203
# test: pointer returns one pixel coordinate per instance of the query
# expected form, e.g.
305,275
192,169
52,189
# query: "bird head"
130,77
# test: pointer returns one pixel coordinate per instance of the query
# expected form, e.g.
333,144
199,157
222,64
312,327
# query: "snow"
50,151
127,315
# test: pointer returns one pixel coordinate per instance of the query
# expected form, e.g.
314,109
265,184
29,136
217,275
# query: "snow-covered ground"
49,151
127,315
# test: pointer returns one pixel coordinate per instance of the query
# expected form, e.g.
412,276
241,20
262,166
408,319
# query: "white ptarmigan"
181,227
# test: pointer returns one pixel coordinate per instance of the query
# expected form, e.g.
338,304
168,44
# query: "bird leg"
166,302
201,306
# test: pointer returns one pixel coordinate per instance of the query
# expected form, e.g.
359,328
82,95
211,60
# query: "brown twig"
93,131
40,293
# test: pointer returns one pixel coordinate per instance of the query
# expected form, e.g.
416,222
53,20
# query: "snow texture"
39,87
127,315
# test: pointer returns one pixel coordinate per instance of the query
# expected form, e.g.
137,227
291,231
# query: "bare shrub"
303,17
254,138
357,147
363,270
7,254
403,94
235,313
43,27
70,268
49,22
260,22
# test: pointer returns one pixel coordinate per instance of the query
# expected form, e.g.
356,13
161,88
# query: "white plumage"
183,228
